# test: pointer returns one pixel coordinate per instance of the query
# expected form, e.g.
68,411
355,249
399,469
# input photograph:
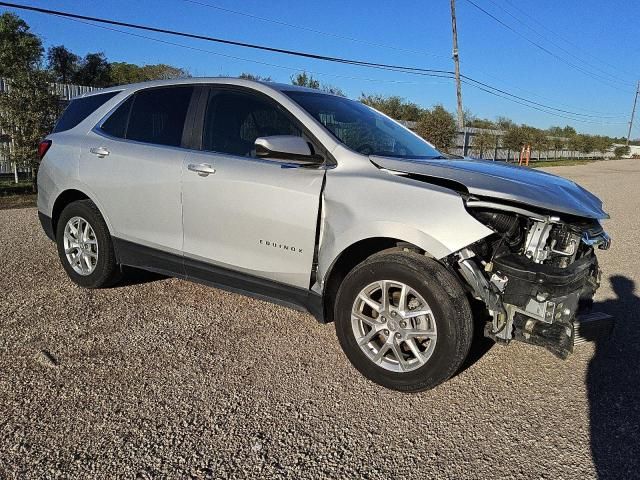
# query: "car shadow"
135,276
480,344
613,387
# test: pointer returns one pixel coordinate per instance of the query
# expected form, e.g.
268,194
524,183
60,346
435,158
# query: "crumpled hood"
498,180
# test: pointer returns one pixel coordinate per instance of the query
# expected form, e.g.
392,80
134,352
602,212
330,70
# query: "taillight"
43,147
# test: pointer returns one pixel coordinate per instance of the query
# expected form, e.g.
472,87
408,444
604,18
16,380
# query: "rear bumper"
47,225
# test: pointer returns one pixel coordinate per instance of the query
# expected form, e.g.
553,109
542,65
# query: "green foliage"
94,70
257,78
20,50
484,141
574,143
62,63
29,110
514,138
123,73
621,151
556,138
586,143
480,123
602,144
504,123
303,79
394,106
438,126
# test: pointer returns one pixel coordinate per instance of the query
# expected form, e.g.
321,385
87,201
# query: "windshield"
361,128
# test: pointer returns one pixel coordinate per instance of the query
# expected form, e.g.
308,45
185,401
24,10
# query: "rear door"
248,214
133,163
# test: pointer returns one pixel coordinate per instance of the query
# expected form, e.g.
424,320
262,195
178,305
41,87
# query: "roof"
206,80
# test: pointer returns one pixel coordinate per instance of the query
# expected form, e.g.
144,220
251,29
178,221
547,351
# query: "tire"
449,325
102,270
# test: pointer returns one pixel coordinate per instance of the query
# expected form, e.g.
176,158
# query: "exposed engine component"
533,275
535,246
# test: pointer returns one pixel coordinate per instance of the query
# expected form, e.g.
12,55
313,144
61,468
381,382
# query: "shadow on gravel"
613,384
135,276
480,345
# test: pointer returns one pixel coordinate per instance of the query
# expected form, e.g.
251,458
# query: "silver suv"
323,204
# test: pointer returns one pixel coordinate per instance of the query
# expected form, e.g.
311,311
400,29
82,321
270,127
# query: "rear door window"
81,108
158,115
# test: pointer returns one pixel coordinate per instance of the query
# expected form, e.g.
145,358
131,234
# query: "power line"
389,67
542,97
491,92
578,47
313,30
224,41
504,92
546,50
269,64
560,47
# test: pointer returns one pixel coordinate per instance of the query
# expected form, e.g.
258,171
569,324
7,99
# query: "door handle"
101,152
202,169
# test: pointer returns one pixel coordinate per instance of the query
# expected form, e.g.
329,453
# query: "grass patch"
8,187
18,201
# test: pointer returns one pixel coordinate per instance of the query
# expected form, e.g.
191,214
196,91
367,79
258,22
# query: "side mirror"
288,148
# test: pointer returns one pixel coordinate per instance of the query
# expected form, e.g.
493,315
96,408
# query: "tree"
20,50
514,138
504,123
162,71
602,144
307,80
484,140
122,73
621,151
94,70
62,63
394,106
574,143
29,110
556,139
438,126
586,143
480,123
304,80
539,141
257,78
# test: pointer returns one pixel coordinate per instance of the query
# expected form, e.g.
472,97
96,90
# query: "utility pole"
633,112
456,61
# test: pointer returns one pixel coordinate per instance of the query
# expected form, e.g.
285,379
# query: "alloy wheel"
394,326
80,246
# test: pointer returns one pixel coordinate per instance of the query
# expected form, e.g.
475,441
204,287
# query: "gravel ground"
163,378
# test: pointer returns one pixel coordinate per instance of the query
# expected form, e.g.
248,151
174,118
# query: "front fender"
357,207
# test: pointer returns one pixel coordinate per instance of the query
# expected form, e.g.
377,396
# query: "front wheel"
403,320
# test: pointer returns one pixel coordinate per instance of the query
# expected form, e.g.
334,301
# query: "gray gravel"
163,378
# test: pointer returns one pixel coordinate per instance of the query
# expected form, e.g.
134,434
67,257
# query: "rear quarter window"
79,109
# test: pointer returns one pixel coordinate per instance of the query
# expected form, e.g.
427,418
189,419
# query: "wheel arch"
350,257
65,198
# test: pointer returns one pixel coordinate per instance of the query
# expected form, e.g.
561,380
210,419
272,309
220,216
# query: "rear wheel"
403,321
85,247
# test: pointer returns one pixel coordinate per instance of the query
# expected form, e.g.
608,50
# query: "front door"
243,213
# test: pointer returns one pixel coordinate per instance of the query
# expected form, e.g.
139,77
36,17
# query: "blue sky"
602,39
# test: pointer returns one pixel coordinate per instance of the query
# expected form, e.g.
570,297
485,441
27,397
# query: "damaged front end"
535,274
